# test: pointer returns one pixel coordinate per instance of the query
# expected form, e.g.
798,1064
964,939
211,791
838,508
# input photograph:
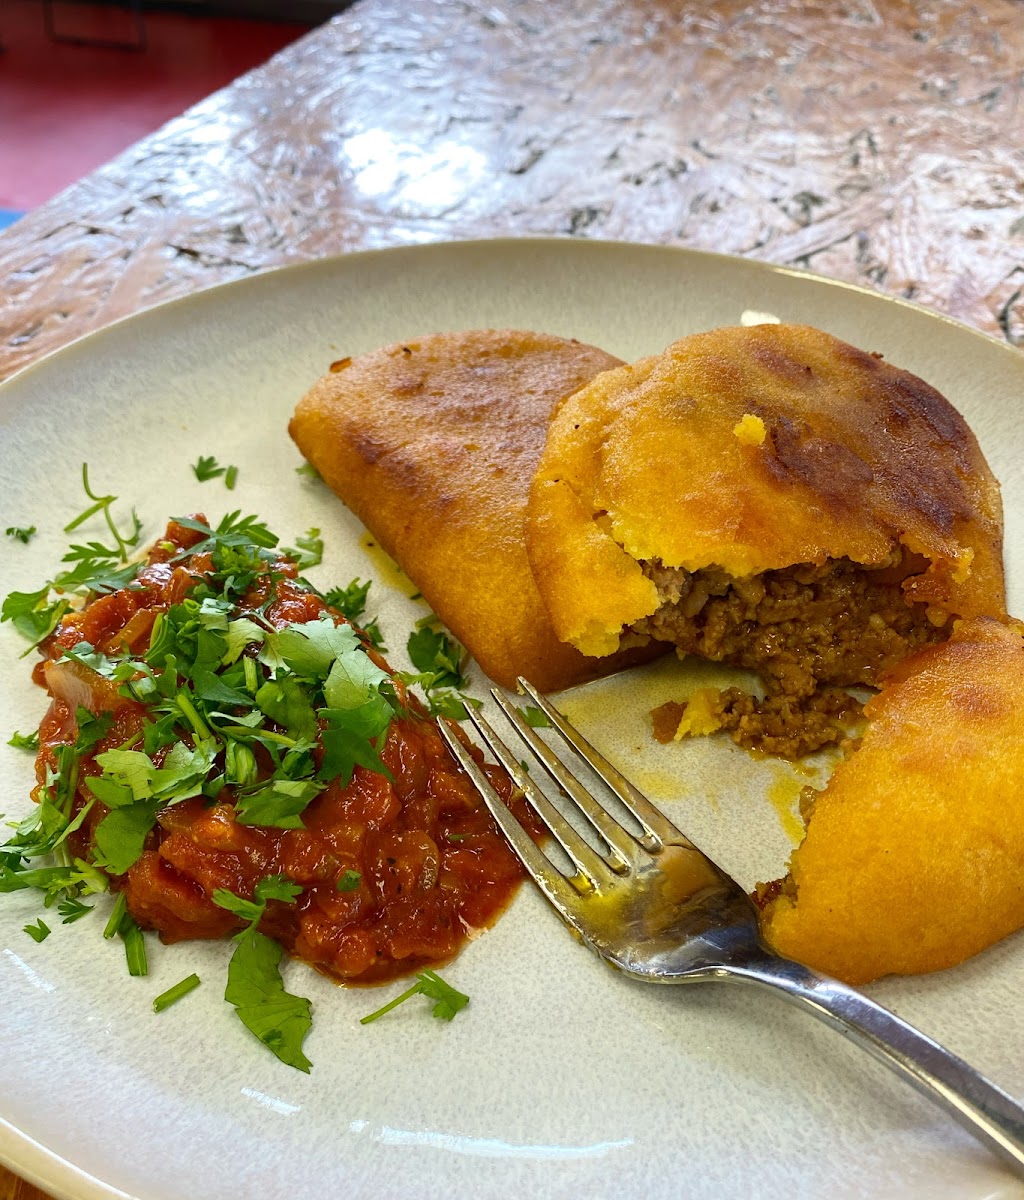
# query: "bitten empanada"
432,443
769,497
913,858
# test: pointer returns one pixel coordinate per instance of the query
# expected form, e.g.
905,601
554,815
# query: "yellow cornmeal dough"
913,858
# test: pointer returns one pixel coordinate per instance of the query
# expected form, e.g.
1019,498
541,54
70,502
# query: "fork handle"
983,1109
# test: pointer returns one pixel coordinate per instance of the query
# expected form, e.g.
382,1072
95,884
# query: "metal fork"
654,906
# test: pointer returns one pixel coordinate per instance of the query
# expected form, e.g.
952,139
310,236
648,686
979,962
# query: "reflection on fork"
650,903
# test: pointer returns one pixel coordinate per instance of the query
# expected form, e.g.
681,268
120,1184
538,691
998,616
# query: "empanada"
432,443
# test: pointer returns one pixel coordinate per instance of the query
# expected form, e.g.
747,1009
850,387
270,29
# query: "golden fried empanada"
914,854
432,443
769,497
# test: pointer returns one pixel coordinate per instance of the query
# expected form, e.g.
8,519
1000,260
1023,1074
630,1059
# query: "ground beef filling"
787,726
807,630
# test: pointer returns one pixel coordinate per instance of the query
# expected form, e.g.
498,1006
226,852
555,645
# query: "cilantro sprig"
448,1001
96,568
438,658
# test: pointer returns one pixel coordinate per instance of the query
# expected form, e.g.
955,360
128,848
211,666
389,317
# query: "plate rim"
266,277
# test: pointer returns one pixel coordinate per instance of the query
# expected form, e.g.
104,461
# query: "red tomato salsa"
395,872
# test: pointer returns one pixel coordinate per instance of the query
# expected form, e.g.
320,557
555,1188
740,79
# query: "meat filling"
806,630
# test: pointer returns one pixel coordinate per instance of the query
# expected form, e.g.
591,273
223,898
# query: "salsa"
395,860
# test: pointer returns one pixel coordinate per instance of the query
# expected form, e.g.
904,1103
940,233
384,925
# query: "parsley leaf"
21,535
429,984
38,932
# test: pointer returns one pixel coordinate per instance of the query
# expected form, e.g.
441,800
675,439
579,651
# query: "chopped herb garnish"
429,984
279,1019
103,504
72,909
207,468
534,717
20,534
174,994
134,946
24,741
97,568
231,696
116,916
38,932
438,658
308,551
308,471
349,601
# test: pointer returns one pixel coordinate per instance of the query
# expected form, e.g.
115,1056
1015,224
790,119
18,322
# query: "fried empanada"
432,443
914,854
769,497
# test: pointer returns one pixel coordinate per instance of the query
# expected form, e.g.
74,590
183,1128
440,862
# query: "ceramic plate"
561,1079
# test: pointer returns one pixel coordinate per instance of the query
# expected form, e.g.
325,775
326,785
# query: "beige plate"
561,1079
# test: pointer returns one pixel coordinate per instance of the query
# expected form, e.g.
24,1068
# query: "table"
881,142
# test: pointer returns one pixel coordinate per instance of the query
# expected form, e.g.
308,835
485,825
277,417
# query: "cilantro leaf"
21,535
38,932
206,468
346,748
285,701
121,835
103,504
24,741
534,717
432,650
279,1019
349,601
278,803
348,882
308,551
32,615
72,909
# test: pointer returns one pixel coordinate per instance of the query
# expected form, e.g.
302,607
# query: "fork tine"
658,829
591,868
621,842
541,870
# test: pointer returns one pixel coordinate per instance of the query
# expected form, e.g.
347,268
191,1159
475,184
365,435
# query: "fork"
654,906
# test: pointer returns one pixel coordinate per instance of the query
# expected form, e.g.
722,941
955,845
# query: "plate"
561,1079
